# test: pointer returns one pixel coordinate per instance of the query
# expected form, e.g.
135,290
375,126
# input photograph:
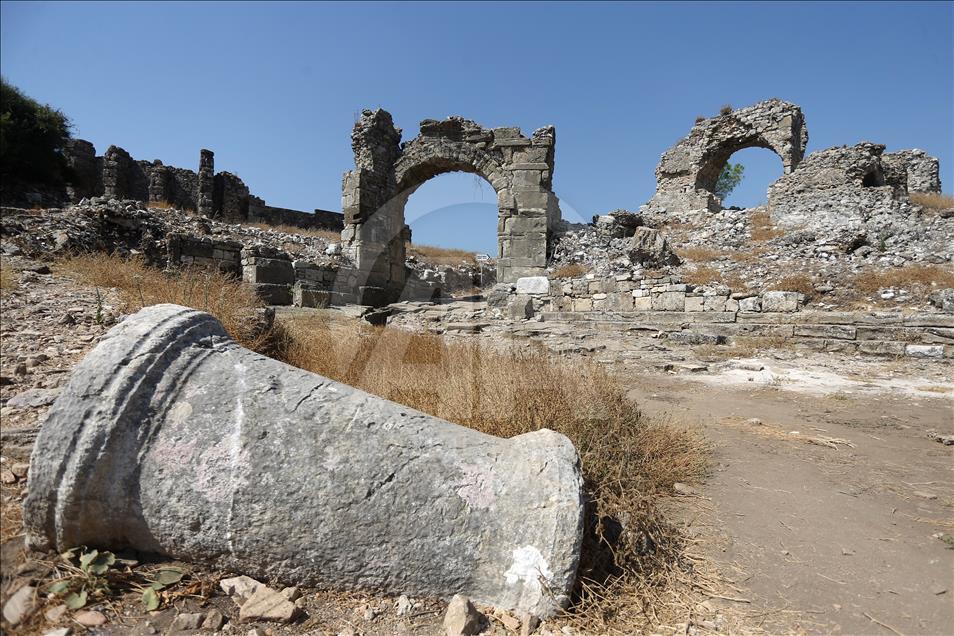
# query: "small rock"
55,613
184,622
90,618
291,593
509,621
265,604
683,489
20,470
33,398
63,631
462,618
256,632
924,495
214,620
240,588
529,623
7,476
403,605
20,605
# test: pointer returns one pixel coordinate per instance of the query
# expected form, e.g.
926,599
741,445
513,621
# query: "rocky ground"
745,250
829,509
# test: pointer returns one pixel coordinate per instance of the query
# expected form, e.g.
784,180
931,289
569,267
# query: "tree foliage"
32,138
729,179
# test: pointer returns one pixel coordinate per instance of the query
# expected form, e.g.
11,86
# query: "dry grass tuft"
569,271
8,278
726,109
231,301
742,347
329,235
701,275
797,283
932,200
918,277
631,557
700,254
762,227
440,255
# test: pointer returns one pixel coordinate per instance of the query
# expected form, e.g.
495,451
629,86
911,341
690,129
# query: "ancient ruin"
687,173
387,172
223,195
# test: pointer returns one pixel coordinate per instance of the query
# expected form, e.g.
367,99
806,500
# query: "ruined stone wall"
840,187
258,212
687,173
923,172
116,175
386,173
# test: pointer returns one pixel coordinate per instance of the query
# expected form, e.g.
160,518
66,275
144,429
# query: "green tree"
32,137
729,179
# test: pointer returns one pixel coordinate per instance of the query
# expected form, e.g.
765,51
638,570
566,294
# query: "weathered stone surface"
184,622
687,173
781,301
286,475
533,285
649,248
266,604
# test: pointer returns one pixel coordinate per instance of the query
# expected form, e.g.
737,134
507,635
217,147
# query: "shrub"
32,138
726,109
729,179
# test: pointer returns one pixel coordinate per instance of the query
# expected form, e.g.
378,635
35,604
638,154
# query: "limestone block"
781,301
533,285
714,303
750,305
836,332
731,305
924,351
173,439
695,303
582,304
272,271
642,303
669,301
274,294
304,296
520,307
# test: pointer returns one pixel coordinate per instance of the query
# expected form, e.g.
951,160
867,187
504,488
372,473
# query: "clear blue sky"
274,89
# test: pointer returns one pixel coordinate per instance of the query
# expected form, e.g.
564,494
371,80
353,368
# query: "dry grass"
700,254
797,283
701,275
8,278
912,277
762,227
166,205
631,557
750,256
932,200
231,301
440,255
569,271
329,235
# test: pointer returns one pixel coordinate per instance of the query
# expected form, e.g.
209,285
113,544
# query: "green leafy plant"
729,179
32,138
91,575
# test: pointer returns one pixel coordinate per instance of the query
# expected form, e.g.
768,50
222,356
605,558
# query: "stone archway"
687,173
387,172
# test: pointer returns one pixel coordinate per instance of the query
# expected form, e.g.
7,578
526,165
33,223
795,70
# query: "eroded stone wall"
116,175
923,170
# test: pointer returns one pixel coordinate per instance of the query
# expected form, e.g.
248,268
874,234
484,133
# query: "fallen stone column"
171,438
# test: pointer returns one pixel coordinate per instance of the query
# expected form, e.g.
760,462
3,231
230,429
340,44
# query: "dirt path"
820,535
